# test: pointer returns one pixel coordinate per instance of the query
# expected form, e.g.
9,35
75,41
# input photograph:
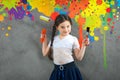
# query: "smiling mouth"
65,32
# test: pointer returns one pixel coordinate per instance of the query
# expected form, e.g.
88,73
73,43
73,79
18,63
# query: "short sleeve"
76,43
49,43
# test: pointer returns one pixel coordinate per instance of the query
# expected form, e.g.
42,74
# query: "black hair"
59,19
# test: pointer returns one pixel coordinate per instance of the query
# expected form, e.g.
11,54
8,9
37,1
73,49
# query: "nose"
66,29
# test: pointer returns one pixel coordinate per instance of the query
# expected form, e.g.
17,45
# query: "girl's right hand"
43,35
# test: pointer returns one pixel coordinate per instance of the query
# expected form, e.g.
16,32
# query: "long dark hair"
59,19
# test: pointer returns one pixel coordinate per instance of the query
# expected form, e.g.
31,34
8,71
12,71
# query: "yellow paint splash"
6,34
106,28
92,14
96,38
9,28
44,6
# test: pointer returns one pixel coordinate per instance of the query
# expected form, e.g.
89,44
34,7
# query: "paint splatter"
118,3
1,18
97,13
76,6
104,50
44,6
18,14
62,2
8,4
99,2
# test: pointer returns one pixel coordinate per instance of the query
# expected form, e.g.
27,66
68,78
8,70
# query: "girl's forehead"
65,23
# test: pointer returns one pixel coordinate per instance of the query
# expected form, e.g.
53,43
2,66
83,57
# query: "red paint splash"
108,10
109,19
54,15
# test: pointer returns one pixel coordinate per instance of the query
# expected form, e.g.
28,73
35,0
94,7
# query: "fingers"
42,38
43,35
86,42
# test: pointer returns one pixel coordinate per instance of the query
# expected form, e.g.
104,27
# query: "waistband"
62,67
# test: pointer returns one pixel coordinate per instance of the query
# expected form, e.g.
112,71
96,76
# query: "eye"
68,26
62,27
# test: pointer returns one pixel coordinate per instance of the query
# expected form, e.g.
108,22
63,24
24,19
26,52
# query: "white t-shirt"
62,49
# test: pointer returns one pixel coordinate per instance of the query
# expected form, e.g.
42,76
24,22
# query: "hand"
43,35
86,41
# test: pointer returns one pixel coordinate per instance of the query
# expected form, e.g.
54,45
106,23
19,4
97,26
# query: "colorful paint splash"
118,3
91,10
44,6
8,4
16,9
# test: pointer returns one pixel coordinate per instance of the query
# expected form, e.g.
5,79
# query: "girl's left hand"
86,42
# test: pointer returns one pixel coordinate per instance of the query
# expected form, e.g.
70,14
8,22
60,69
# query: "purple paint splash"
19,13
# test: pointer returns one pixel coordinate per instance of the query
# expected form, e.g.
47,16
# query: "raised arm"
45,47
79,53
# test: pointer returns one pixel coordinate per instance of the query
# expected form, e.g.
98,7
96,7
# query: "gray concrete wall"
21,56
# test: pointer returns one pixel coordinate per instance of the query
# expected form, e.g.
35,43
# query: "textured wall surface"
21,56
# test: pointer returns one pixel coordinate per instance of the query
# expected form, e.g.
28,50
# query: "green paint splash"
104,50
8,4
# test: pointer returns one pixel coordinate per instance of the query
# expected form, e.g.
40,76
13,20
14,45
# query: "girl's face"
64,28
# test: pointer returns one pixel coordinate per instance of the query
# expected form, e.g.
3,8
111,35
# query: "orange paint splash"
0,1
81,21
62,2
1,18
76,6
80,36
99,2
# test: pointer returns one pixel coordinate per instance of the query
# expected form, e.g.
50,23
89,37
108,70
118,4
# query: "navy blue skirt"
66,72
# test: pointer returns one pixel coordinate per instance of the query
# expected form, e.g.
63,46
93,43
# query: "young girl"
61,48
